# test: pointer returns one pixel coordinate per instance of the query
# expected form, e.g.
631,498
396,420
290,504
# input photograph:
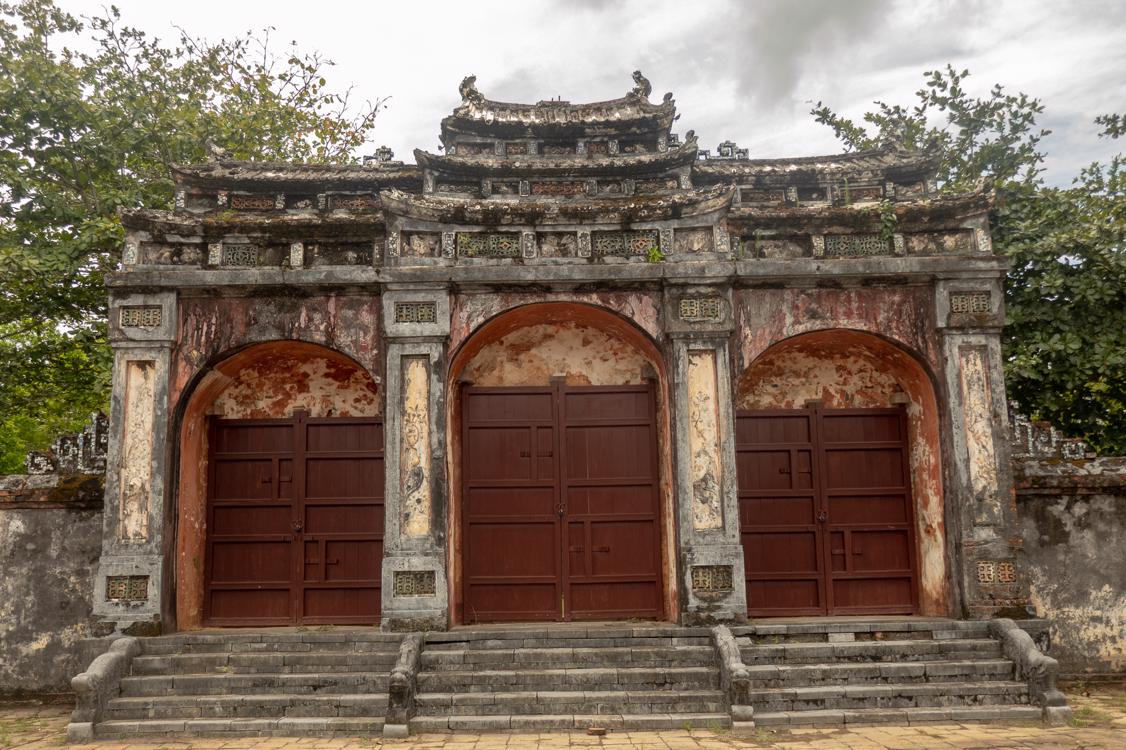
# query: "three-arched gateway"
571,368
558,412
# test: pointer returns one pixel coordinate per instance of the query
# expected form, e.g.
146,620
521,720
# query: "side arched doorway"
559,467
280,503
840,491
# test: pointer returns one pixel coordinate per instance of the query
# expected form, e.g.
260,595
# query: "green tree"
86,132
1065,339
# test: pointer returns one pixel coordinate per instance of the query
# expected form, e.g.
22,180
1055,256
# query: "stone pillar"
699,321
979,480
130,584
416,324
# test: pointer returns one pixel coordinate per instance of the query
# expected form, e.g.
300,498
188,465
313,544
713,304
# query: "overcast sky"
745,71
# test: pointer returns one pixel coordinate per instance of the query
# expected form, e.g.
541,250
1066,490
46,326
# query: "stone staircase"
872,671
267,683
569,677
359,681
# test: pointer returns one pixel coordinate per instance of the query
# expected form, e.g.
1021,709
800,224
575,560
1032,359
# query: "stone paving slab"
1100,724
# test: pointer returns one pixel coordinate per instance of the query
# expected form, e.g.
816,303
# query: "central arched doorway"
558,475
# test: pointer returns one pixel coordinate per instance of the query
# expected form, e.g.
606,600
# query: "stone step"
276,662
255,684
210,643
901,716
511,641
875,673
815,653
579,722
283,727
915,695
247,706
578,702
821,632
623,678
567,632
546,658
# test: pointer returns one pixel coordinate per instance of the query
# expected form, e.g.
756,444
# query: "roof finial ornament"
469,92
643,88
214,151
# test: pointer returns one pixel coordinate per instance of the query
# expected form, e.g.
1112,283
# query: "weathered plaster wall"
846,369
901,314
1072,517
534,354
212,328
50,539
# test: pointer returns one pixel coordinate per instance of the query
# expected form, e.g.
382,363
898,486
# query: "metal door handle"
822,517
297,526
561,510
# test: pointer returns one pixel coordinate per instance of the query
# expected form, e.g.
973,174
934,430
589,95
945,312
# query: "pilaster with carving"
129,585
699,322
415,591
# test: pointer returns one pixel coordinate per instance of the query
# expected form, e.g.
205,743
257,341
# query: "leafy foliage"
1065,340
85,133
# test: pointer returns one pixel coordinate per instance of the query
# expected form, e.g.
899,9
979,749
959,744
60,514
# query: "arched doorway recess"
840,481
280,494
559,468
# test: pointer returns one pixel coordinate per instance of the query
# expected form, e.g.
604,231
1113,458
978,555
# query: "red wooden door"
294,521
560,504
826,513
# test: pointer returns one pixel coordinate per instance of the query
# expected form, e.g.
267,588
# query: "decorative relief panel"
704,440
558,244
127,588
449,244
421,244
584,244
712,578
655,185
516,148
414,447
528,244
414,582
855,245
564,188
986,571
1006,572
984,240
135,474
141,316
761,195
693,240
416,312
253,202
625,244
239,255
296,254
700,308
971,302
977,425
488,244
355,202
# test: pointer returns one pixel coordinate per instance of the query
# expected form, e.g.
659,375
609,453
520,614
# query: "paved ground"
1100,722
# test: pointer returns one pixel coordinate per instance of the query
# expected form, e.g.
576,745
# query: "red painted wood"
826,514
560,513
294,521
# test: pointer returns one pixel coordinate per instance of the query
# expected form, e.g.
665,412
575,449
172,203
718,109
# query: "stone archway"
560,358
845,369
278,386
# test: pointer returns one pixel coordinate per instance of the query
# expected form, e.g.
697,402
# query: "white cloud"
739,69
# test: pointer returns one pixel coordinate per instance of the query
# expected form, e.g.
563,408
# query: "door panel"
826,511
295,521
559,504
